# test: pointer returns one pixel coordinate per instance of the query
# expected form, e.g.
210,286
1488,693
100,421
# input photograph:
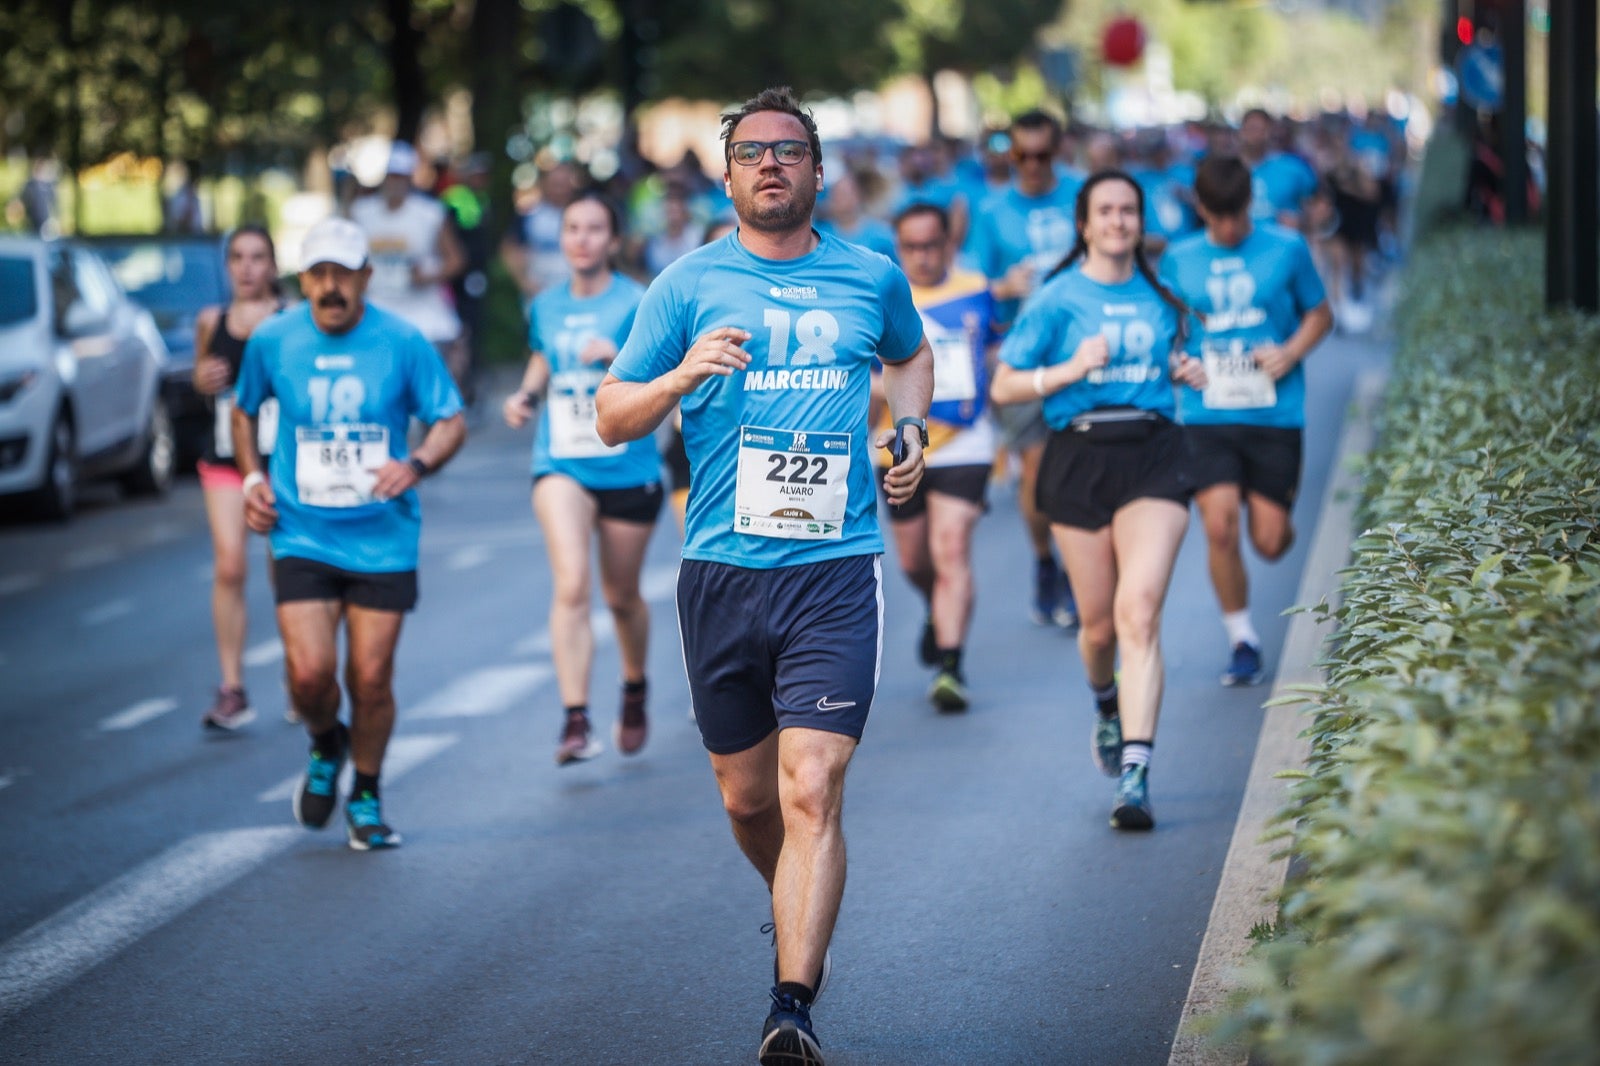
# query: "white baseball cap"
334,240
402,159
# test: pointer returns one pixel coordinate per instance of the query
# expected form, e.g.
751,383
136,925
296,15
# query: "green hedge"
1444,900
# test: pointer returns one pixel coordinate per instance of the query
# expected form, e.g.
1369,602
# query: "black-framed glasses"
1031,157
750,153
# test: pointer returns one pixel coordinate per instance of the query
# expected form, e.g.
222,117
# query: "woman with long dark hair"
1100,344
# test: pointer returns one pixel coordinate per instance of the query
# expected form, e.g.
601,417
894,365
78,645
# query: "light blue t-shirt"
344,405
1167,210
783,470
1280,184
559,325
1140,329
1011,228
1252,294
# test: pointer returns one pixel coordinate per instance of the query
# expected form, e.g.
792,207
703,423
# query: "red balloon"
1123,41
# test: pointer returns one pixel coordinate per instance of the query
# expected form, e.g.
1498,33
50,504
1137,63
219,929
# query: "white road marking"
468,558
655,584
6,781
138,714
10,586
106,612
483,692
86,933
265,653
405,754
84,558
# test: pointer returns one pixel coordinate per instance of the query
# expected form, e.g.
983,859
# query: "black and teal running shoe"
363,817
318,794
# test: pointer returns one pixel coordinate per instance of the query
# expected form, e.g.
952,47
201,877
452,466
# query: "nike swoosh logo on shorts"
824,705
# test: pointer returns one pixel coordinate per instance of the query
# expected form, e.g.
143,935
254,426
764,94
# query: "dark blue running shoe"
318,794
1244,667
787,1039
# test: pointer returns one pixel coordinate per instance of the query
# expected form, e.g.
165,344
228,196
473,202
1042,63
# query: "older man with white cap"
340,506
416,255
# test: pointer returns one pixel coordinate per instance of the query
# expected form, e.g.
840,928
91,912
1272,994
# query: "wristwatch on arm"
920,423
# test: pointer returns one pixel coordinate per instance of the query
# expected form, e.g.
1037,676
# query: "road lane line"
6,781
405,754
16,583
138,714
655,584
86,933
264,654
106,612
468,558
84,558
483,692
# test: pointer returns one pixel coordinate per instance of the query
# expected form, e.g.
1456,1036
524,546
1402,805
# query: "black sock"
950,660
634,688
1105,700
330,745
800,992
579,708
364,784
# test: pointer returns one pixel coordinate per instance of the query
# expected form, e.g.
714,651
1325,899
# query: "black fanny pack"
1116,425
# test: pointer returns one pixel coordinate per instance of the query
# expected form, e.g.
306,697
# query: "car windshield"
175,277
19,299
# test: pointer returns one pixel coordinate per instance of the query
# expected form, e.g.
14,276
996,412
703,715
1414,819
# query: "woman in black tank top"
220,335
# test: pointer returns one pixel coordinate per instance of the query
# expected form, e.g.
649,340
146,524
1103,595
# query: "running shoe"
632,725
928,646
363,817
230,711
1065,615
1244,667
317,796
577,744
949,693
771,929
1132,809
1046,593
787,1039
1106,744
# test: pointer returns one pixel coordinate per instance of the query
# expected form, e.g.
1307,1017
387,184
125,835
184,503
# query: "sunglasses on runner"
749,153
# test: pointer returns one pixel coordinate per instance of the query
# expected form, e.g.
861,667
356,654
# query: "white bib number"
1233,380
337,465
266,427
572,416
954,377
792,484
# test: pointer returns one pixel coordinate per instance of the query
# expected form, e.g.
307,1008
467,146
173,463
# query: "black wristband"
418,467
529,397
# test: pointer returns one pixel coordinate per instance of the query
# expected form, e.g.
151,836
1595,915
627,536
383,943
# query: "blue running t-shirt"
560,325
1280,184
1011,228
1253,294
344,404
783,472
1140,329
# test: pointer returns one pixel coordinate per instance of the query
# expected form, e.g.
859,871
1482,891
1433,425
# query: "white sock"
1240,631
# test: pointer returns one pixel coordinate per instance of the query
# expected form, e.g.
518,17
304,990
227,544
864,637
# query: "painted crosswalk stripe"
107,612
264,654
483,692
655,585
405,754
138,714
61,948
468,558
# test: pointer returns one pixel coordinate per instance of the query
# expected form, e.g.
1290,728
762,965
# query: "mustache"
333,299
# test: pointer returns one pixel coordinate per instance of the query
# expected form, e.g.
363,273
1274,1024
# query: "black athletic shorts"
677,460
770,649
968,482
1260,459
640,504
296,579
1083,483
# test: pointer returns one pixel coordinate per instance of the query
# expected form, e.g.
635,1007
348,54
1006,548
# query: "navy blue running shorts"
770,649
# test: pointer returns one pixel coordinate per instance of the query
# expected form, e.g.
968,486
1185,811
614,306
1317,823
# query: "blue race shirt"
559,326
1139,326
1167,210
1253,294
783,470
344,405
1011,228
869,233
1279,184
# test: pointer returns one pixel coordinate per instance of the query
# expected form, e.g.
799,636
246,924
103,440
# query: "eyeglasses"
750,153
1032,157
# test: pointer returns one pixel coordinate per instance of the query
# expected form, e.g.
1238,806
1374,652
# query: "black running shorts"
1259,459
1083,483
295,579
640,504
968,482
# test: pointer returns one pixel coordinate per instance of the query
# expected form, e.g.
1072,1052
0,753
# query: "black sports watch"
920,423
418,467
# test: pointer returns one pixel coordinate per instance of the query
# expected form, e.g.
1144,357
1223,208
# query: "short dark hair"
922,207
597,197
1038,120
1222,184
780,98
1256,112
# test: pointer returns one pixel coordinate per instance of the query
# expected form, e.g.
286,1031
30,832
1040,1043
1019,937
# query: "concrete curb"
1253,873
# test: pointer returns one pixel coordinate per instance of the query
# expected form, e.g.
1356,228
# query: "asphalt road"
158,905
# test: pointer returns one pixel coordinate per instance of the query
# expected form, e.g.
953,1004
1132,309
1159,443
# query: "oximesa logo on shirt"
793,292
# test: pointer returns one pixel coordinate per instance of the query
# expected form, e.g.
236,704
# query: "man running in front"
766,339
340,506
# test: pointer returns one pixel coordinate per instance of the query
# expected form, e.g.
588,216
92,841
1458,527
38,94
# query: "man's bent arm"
628,410
443,440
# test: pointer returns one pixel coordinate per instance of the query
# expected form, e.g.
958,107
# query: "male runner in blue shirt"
765,338
340,506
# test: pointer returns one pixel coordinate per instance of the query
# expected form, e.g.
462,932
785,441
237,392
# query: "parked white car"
80,376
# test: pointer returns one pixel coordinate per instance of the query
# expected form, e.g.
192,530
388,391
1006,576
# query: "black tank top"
229,349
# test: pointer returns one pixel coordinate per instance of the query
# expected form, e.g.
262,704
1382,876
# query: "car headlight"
13,383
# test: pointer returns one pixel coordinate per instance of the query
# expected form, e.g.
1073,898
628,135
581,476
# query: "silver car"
80,376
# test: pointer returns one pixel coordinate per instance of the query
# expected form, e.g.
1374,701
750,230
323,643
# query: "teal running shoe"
315,799
363,817
1132,809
